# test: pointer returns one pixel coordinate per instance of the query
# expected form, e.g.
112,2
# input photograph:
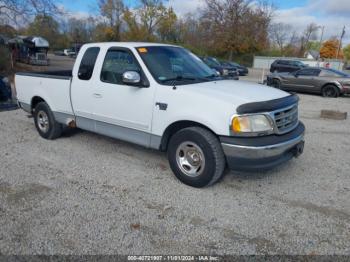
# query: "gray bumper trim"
260,152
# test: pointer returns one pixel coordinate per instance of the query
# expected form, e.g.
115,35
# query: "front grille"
41,56
286,119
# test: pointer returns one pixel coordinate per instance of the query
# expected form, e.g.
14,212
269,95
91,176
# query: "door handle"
97,95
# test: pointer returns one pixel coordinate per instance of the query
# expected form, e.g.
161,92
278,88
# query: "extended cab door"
82,91
123,111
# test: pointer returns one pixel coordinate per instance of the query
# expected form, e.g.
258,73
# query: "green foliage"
314,45
346,52
241,29
45,26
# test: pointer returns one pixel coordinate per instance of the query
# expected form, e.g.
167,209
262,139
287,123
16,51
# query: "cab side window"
87,64
309,72
116,63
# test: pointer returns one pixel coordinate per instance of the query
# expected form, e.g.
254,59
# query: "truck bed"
51,86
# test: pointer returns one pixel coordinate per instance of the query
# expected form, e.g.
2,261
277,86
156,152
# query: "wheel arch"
177,126
331,84
36,100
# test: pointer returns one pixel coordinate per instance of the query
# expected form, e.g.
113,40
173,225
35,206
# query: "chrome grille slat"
287,114
286,119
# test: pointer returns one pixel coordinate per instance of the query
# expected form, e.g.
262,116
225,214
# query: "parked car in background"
325,81
69,52
224,71
164,97
283,65
242,70
59,53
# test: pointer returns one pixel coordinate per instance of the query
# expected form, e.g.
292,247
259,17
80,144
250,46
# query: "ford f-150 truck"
164,97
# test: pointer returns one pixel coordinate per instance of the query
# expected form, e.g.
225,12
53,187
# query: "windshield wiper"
179,78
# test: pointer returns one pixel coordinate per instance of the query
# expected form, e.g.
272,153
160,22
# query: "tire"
330,91
201,149
276,83
45,122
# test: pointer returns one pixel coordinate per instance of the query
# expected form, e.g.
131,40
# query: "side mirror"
131,78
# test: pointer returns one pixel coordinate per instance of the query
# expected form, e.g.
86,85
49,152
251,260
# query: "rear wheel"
196,157
330,91
45,122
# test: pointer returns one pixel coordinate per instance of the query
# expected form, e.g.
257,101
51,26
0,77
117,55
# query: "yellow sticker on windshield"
142,50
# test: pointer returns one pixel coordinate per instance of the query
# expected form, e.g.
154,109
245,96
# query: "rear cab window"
88,62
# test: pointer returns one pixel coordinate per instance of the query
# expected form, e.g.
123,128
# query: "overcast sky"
332,14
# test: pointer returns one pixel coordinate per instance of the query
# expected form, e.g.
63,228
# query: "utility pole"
319,50
340,41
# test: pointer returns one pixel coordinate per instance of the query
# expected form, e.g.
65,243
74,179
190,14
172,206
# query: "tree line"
230,29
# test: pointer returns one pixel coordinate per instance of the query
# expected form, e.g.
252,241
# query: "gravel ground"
88,194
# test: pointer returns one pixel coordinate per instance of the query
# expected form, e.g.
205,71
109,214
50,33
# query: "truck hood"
234,92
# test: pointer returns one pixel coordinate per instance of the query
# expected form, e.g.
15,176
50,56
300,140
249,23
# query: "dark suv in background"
286,66
224,71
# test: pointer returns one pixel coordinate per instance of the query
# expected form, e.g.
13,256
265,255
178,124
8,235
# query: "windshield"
298,63
234,64
337,73
170,65
210,61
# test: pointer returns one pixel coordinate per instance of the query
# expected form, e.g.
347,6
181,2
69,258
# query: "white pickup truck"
164,97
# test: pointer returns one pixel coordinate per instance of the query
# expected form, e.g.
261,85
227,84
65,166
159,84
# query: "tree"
45,26
237,26
135,31
151,14
280,34
16,11
346,52
314,45
149,22
113,11
329,49
7,30
308,34
192,33
80,30
167,27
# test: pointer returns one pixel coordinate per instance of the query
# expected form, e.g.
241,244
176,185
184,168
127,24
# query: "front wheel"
196,157
330,91
45,122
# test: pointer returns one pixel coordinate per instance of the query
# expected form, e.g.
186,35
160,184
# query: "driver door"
122,111
305,79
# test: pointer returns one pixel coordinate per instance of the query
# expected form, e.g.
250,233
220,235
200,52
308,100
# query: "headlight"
225,72
251,124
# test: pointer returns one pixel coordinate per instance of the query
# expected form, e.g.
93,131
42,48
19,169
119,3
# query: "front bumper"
261,153
345,90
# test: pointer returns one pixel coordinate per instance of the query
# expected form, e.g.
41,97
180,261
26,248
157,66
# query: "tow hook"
298,149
